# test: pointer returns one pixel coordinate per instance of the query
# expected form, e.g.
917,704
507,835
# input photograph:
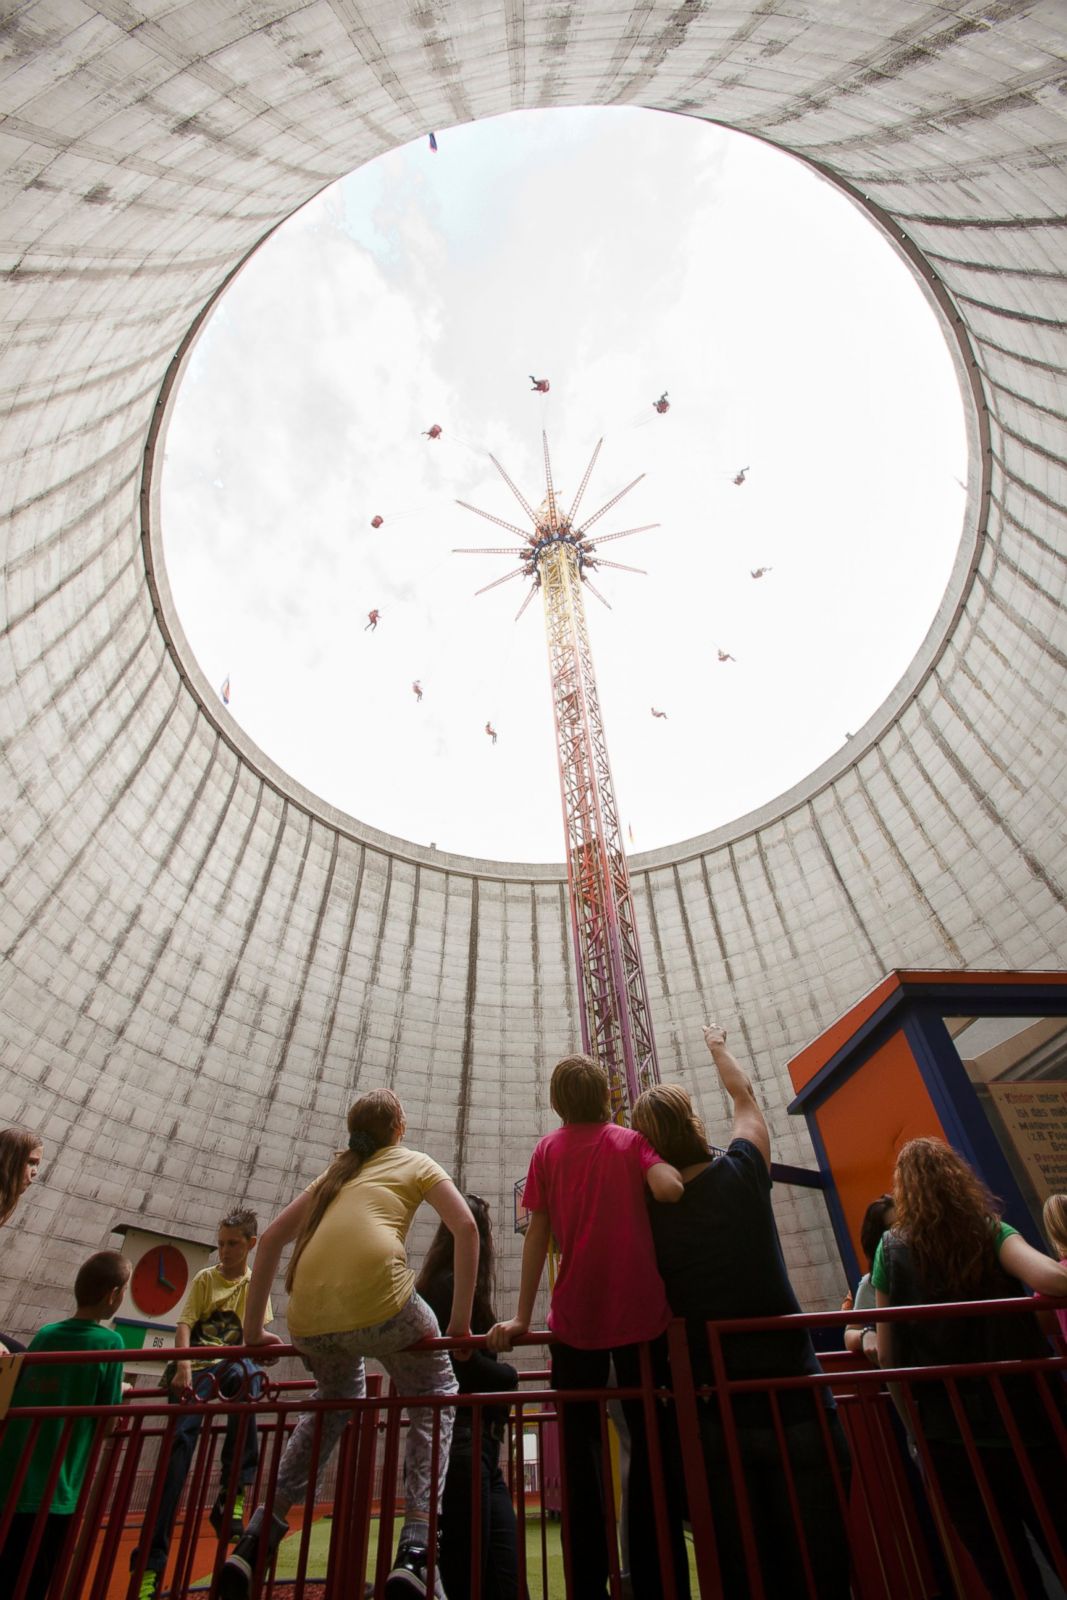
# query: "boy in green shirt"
98,1292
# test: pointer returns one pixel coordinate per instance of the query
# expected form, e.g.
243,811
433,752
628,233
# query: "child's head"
665,1115
236,1239
374,1120
1054,1217
101,1284
20,1157
877,1219
579,1090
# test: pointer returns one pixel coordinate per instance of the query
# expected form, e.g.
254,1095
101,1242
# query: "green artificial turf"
319,1546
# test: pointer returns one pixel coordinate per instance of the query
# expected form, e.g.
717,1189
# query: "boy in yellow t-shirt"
213,1313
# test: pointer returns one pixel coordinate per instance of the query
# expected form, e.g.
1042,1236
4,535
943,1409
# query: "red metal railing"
885,1517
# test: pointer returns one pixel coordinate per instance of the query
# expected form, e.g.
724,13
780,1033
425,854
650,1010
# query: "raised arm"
749,1121
457,1217
534,1252
272,1241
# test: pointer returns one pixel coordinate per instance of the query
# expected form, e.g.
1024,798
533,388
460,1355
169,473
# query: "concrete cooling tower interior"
202,961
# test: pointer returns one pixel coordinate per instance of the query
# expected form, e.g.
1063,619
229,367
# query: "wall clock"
159,1280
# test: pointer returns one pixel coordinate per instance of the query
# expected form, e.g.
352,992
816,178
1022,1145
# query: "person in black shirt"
720,1257
480,1373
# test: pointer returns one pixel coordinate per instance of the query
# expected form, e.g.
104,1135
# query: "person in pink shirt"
587,1188
1054,1217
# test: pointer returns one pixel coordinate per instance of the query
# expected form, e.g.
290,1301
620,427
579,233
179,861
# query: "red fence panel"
906,1510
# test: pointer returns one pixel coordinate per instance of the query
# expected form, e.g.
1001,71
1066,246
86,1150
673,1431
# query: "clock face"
159,1280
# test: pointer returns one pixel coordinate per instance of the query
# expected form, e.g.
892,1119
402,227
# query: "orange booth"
976,1058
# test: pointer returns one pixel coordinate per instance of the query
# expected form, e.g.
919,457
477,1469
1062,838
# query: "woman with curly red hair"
949,1243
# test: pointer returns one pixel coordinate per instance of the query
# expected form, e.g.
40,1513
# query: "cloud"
619,253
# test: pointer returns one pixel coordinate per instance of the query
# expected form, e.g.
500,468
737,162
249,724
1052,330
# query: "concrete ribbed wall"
200,961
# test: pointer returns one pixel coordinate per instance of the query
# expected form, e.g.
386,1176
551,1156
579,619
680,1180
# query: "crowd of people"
650,1223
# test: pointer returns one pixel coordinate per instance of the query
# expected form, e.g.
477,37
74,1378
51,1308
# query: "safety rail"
893,1508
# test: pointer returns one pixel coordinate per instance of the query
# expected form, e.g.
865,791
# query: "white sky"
618,253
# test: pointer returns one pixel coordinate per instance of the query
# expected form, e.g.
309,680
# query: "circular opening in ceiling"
619,254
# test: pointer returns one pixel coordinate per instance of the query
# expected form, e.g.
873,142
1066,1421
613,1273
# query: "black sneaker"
230,1527
408,1576
235,1580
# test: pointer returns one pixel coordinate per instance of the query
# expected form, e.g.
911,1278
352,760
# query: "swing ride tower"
558,557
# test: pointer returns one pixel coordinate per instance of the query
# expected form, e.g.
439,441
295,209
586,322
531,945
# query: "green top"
880,1280
90,1383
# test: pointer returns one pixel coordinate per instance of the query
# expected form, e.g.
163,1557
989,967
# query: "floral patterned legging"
336,1360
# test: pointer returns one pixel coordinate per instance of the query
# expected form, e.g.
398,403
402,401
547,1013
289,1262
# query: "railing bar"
386,1515
476,1422
541,1425
194,1502
117,1518
611,1527
989,1504
791,1493
660,1507
728,1425
7,1511
1033,1487
435,1469
694,1467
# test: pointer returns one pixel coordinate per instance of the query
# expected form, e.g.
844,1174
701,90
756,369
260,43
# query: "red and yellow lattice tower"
613,998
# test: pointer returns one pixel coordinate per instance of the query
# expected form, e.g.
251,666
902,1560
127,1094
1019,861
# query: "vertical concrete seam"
109,807
161,944
1036,868
466,1071
775,899
244,937
341,970
404,986
644,879
904,867
831,861
371,981
310,953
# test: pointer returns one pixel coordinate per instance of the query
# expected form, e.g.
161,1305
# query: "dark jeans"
499,1563
821,1513
1007,1486
585,1482
16,1545
229,1379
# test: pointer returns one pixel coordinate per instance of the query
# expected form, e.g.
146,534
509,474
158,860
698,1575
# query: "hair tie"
362,1144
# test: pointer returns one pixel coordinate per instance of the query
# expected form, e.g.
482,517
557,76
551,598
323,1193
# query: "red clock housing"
159,1280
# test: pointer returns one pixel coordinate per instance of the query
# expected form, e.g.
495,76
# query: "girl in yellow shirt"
352,1295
